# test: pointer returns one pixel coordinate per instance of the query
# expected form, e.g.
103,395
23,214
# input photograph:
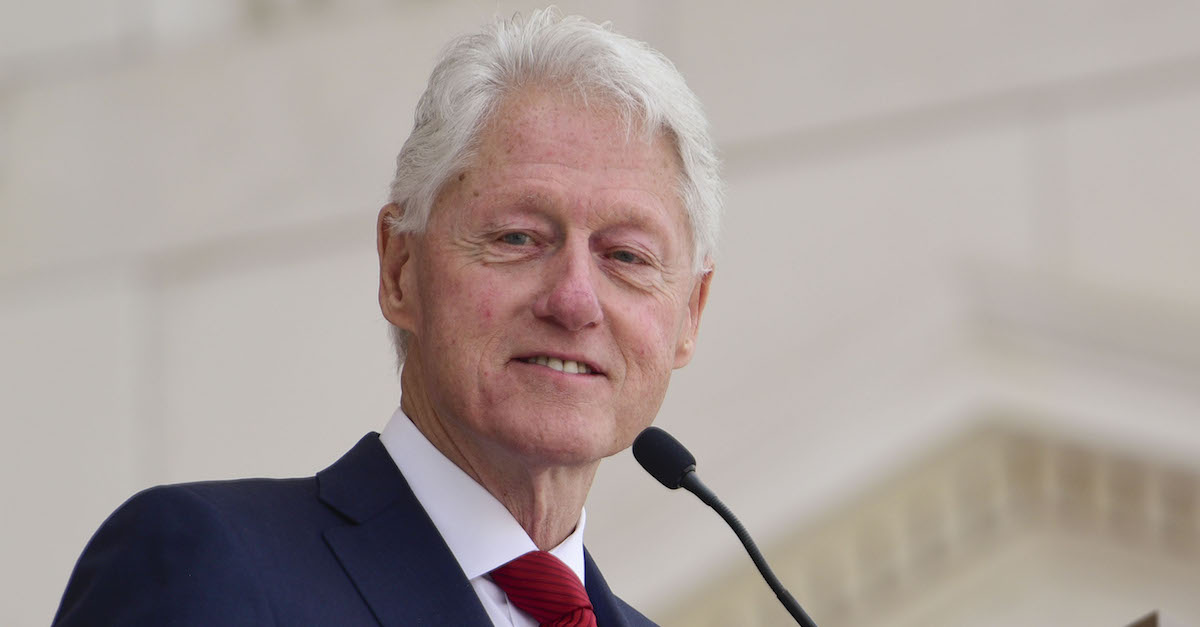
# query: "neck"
545,499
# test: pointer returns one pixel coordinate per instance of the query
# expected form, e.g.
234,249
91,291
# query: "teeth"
567,366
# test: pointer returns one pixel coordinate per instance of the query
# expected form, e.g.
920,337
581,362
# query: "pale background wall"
939,212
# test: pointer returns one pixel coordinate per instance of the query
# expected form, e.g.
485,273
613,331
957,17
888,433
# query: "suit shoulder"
186,509
255,495
237,505
168,554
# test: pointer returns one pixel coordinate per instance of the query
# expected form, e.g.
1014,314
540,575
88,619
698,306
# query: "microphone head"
663,456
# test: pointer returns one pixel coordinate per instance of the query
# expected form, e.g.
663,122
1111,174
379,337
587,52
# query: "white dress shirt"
479,530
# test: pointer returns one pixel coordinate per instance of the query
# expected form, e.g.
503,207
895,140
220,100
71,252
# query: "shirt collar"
479,530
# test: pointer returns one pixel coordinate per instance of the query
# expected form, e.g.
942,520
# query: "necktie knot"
544,587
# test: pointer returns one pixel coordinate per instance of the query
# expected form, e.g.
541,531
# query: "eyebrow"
625,214
523,200
644,219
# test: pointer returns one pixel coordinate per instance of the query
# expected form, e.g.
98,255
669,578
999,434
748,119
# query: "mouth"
568,366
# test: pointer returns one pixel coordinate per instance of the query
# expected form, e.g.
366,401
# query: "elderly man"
544,262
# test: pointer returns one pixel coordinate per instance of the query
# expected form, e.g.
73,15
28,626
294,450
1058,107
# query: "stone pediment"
1001,525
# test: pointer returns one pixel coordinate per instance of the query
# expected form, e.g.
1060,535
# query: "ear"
397,296
686,345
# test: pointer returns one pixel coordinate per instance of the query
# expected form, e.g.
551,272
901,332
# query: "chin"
564,440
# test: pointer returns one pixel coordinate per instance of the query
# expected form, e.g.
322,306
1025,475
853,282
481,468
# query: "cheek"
488,302
656,345
471,319
466,304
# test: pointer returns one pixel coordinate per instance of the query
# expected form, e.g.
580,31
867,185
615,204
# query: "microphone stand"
691,482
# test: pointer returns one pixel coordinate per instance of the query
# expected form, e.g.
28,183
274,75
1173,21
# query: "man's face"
552,293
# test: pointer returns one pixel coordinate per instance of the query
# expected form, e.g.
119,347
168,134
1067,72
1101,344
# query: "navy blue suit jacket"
351,546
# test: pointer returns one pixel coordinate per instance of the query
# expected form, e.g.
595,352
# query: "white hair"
476,72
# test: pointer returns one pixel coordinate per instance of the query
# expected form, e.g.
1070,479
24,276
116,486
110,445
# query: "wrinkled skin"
564,238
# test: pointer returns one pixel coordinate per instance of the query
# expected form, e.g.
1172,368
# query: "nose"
570,299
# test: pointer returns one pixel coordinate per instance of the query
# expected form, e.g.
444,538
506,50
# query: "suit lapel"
390,548
604,602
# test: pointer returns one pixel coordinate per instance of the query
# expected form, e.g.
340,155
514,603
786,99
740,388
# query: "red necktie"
547,589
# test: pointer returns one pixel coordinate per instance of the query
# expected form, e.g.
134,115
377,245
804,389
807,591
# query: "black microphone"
670,462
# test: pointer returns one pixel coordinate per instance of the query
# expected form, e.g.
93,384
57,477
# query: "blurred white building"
950,370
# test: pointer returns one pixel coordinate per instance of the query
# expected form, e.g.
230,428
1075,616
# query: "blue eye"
516,238
624,256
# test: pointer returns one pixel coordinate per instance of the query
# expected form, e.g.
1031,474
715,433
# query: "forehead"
567,127
527,114
558,144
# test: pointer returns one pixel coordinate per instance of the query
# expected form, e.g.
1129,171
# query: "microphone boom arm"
691,482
